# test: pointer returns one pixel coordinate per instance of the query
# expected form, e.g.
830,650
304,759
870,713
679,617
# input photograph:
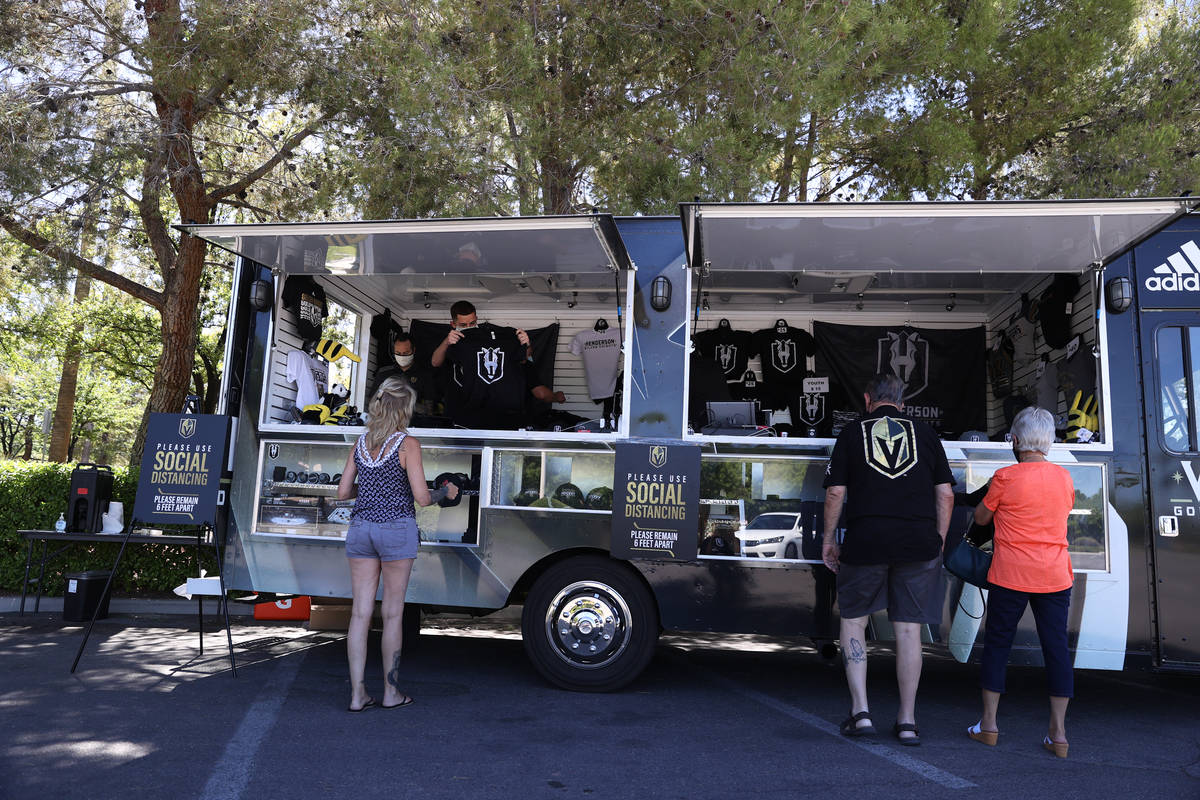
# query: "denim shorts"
387,541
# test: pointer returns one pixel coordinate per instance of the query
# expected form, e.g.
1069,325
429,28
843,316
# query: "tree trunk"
810,147
64,407
785,171
558,185
180,318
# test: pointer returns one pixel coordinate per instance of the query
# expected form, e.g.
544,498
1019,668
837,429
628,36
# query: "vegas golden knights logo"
658,456
890,445
187,427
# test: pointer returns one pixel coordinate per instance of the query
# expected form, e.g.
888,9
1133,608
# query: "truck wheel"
410,627
589,624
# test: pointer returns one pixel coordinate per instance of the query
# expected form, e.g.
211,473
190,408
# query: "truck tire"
589,624
410,627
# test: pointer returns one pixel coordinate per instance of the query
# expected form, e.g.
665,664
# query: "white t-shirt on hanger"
310,375
601,354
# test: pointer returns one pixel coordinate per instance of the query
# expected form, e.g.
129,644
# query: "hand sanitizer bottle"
61,524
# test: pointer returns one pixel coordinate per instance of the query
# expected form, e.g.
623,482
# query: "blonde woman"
383,533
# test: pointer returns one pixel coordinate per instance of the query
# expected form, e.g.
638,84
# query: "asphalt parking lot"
712,717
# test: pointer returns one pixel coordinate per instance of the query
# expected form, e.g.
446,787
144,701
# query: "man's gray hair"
1033,429
886,387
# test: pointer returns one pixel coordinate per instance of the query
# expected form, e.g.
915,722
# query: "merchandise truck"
706,363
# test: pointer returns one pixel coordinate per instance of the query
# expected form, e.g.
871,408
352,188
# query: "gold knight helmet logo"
891,445
187,427
658,456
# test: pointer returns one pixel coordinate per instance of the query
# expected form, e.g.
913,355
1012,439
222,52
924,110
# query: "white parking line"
231,774
916,765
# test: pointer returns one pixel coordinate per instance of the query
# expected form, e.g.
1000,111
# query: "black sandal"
907,727
850,725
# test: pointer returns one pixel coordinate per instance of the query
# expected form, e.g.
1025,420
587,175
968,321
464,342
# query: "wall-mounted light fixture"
262,295
952,303
574,301
704,302
660,293
426,299
1118,295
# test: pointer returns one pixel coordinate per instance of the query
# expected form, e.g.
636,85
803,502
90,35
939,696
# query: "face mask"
404,361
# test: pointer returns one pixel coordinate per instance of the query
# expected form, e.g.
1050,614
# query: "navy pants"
1005,608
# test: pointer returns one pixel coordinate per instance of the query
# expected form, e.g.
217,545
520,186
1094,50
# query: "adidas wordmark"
1180,272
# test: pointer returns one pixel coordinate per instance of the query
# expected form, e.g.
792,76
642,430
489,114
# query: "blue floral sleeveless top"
384,494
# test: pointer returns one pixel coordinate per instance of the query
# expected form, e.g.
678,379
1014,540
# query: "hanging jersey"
601,354
384,494
729,348
1047,387
305,297
310,375
487,375
749,388
1077,373
784,352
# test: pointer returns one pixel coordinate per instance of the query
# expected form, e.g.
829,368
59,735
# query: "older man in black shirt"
892,473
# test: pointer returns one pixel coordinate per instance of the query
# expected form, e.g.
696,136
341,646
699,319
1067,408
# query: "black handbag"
969,562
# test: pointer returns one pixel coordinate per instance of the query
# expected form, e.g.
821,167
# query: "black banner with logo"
181,469
945,371
656,501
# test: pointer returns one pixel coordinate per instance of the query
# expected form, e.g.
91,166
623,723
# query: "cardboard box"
335,616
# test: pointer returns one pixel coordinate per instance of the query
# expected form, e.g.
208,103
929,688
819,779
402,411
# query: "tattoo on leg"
393,676
855,652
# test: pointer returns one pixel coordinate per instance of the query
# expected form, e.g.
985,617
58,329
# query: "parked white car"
774,535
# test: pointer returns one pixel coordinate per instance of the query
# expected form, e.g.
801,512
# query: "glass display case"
772,508
297,494
1087,529
579,480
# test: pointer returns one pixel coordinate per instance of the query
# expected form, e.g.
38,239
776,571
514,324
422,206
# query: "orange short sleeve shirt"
1031,501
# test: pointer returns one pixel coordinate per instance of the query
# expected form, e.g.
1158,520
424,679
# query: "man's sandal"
907,727
850,726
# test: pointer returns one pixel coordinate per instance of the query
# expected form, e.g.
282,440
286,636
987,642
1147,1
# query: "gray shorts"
387,541
911,591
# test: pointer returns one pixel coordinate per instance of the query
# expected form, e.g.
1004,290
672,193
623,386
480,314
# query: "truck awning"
489,246
961,237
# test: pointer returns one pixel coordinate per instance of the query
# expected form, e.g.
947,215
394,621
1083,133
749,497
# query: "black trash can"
85,591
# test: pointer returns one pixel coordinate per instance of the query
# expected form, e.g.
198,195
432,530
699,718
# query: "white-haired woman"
1029,503
383,532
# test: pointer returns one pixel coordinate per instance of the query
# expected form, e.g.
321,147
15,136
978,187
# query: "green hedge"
33,494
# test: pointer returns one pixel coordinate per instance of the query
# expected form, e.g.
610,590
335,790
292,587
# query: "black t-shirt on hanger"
488,379
749,388
784,351
729,348
303,296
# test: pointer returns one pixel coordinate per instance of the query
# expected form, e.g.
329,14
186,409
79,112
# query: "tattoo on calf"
855,652
393,676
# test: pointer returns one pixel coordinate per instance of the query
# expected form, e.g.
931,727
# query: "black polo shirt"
889,464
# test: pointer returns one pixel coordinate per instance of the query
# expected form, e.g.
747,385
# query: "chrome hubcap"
587,624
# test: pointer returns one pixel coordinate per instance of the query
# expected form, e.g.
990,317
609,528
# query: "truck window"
342,325
1176,347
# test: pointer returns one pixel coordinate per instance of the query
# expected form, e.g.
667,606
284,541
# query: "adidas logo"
1180,273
